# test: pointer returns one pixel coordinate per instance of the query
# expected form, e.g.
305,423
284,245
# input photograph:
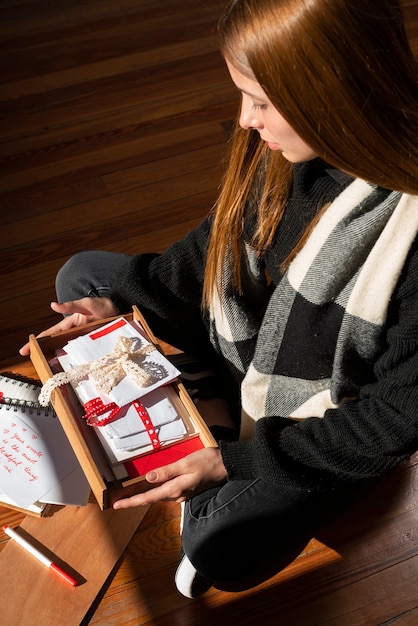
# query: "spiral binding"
25,405
21,393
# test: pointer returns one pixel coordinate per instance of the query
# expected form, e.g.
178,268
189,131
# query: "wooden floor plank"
114,119
104,214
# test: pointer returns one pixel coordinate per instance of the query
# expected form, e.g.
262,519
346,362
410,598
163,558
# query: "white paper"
32,462
35,507
72,490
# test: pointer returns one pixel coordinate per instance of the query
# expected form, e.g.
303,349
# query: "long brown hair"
342,74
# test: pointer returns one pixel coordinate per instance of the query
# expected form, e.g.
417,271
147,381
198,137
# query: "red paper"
108,329
148,462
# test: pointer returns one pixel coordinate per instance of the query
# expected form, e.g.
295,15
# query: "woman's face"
258,113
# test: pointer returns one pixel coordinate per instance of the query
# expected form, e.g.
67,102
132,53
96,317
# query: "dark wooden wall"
113,123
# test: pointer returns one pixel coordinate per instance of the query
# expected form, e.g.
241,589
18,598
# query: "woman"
303,285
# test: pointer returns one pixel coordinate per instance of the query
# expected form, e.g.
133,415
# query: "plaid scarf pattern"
311,342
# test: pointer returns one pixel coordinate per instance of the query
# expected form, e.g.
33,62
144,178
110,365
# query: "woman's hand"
78,312
179,481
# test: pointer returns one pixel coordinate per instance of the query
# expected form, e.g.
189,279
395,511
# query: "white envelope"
159,408
127,433
166,433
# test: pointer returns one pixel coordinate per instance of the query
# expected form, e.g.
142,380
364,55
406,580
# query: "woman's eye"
259,107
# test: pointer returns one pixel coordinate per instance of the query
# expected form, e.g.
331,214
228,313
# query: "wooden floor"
113,121
114,118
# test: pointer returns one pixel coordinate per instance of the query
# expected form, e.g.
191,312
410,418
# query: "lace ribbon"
107,371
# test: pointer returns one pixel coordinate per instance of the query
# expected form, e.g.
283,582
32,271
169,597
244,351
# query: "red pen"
38,555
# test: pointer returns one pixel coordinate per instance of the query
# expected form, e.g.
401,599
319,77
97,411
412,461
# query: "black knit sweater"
361,440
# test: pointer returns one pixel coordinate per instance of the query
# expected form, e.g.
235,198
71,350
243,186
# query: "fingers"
164,473
84,306
180,480
68,322
77,312
25,350
158,494
174,484
65,324
68,308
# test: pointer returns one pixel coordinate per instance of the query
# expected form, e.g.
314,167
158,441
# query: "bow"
107,371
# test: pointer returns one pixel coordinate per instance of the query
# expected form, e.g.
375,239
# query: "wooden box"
80,435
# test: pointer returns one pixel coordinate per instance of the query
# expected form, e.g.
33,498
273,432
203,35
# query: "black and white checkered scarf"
316,341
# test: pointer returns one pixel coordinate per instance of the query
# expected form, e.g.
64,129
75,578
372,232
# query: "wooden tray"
83,441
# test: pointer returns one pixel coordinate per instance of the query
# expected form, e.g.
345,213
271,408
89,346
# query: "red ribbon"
146,420
96,407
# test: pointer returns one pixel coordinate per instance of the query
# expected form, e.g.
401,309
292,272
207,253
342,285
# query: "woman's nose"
248,118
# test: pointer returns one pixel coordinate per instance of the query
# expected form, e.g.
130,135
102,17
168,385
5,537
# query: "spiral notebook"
37,464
